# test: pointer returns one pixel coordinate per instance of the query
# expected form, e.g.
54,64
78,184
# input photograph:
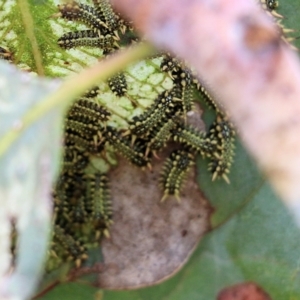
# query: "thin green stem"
30,33
74,87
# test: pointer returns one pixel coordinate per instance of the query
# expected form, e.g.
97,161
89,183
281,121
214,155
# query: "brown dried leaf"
150,240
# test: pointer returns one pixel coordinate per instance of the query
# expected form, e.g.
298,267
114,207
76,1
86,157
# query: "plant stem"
30,33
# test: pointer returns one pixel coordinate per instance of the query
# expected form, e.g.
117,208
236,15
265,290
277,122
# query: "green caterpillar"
88,38
174,172
86,14
73,250
221,135
99,203
208,99
79,125
170,64
108,16
165,106
74,160
187,99
118,84
159,137
89,109
134,154
92,93
192,139
83,144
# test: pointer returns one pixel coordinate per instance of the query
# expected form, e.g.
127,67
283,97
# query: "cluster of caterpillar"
82,204
79,203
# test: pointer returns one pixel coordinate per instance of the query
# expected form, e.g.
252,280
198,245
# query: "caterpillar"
183,77
61,209
207,98
272,4
118,84
99,204
5,54
74,207
222,133
79,213
74,250
89,109
88,38
108,16
174,172
122,145
75,116
84,13
92,93
192,139
187,99
79,125
165,106
169,64
74,160
82,144
160,137
269,6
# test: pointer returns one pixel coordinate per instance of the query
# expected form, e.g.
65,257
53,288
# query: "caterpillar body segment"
207,98
75,251
183,77
79,214
174,172
160,136
60,194
223,136
187,99
74,160
98,199
270,7
123,146
92,93
79,125
90,109
170,64
118,84
165,106
82,144
108,16
188,136
271,4
86,14
87,38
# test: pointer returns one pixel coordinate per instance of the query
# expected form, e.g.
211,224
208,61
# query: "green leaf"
72,291
28,164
